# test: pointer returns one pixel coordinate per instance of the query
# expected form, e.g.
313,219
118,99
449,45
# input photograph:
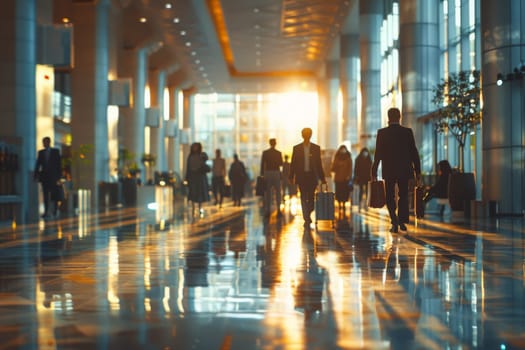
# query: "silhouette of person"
306,170
362,169
48,170
196,169
237,175
396,150
288,188
218,171
440,189
342,169
271,162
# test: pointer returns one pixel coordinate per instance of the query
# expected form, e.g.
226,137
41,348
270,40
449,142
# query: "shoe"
393,229
402,227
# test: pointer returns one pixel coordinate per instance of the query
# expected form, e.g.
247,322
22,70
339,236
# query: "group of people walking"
395,150
197,170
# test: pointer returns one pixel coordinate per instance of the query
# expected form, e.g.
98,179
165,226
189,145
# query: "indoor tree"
458,100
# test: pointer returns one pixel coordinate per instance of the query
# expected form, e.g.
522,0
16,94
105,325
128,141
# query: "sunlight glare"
293,111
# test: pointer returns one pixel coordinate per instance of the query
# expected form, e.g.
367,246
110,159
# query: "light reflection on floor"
138,279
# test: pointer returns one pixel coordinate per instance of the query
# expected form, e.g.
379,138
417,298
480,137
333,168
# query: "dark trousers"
398,211
217,187
363,193
48,190
307,189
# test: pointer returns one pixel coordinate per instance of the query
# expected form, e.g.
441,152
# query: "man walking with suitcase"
306,170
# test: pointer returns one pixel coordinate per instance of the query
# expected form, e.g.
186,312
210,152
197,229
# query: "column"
333,131
160,148
89,84
139,110
370,18
17,94
327,123
161,142
179,116
503,49
349,73
419,62
170,147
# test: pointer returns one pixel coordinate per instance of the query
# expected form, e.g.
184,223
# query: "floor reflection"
232,280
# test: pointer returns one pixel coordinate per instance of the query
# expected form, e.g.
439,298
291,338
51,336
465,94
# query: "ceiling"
233,46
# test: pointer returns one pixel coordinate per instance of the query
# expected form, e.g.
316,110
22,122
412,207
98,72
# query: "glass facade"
459,40
460,51
390,94
243,123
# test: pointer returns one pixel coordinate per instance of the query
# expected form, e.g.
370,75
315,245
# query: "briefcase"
376,194
260,186
324,204
419,203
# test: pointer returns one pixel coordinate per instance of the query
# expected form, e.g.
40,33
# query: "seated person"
440,188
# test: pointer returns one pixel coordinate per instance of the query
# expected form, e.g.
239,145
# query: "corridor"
128,279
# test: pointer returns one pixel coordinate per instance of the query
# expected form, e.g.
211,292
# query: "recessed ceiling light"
204,75
197,61
143,20
176,20
201,68
168,5
65,20
257,26
182,32
193,53
256,10
188,43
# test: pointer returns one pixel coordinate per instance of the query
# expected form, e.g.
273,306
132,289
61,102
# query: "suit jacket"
396,150
48,170
271,160
297,173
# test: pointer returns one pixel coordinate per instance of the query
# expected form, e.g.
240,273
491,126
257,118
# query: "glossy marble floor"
228,279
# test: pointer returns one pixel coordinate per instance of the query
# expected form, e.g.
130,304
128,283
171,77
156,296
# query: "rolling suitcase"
324,205
419,203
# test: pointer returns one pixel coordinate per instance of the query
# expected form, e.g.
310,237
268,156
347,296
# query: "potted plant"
458,113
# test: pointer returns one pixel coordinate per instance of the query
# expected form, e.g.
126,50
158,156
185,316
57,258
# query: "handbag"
58,193
376,194
260,186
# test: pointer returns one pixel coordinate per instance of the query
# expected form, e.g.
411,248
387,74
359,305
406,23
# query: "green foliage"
458,102
148,159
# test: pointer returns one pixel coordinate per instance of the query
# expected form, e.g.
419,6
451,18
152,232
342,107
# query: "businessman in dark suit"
48,170
397,152
306,171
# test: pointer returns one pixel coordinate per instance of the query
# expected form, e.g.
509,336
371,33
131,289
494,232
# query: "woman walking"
342,169
196,169
362,173
238,177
